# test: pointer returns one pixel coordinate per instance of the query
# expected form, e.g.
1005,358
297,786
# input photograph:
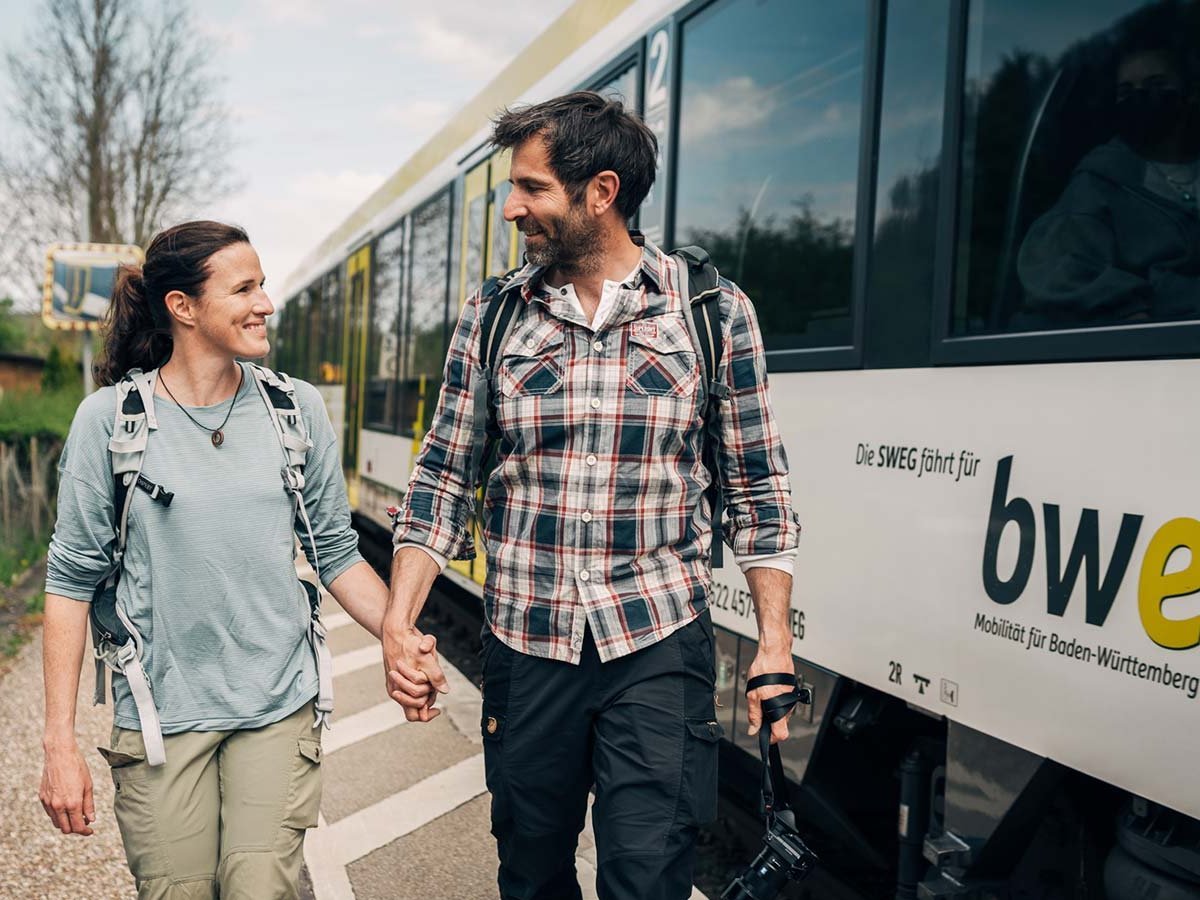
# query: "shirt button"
595,403
584,575
564,292
587,517
598,346
591,459
530,344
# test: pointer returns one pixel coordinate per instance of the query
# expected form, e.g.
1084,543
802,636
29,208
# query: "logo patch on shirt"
645,330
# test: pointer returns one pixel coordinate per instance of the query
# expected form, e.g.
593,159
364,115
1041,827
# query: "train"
984,398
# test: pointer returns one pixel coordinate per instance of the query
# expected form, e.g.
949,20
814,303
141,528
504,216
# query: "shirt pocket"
532,365
660,361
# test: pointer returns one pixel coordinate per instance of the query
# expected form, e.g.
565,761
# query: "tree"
60,371
11,333
118,125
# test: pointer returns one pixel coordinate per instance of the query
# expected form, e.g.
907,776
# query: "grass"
25,414
18,555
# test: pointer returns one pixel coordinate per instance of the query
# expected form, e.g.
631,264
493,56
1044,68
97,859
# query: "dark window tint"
1079,166
332,314
284,342
383,339
768,157
906,202
423,350
314,331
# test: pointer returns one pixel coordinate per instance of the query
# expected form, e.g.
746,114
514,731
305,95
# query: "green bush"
26,414
18,555
60,371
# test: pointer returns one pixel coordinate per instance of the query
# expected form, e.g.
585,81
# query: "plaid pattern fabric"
596,512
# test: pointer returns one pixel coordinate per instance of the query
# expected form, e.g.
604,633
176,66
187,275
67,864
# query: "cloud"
286,220
225,36
418,116
307,13
450,45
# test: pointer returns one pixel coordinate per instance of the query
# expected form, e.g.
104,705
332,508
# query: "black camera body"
783,858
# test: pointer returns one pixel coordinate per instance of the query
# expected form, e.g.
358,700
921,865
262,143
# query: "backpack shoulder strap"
700,283
133,421
278,392
498,314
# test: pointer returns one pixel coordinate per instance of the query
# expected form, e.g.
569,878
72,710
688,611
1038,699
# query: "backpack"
699,282
117,643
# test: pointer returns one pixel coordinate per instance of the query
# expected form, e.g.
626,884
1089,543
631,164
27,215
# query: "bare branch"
117,126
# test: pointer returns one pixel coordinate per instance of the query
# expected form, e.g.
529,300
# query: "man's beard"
575,248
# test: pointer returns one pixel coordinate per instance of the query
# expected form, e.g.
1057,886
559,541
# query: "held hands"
66,791
767,661
414,674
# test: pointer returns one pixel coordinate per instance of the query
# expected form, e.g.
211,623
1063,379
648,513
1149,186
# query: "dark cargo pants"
640,728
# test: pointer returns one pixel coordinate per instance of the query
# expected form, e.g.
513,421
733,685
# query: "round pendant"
218,438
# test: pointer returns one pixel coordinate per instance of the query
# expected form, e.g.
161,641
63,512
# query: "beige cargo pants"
225,816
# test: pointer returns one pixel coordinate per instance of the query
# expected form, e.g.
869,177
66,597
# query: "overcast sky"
331,96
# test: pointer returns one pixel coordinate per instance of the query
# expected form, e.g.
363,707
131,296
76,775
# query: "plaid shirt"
595,513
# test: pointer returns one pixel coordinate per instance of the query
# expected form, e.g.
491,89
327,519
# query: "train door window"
1080,169
423,350
474,232
622,86
902,262
502,254
767,172
383,338
332,317
357,303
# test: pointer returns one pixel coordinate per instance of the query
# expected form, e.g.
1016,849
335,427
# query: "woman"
207,582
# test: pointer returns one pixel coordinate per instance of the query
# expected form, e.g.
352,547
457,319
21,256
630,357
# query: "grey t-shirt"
209,582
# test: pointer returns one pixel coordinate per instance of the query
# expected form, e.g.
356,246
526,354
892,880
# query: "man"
1122,244
598,653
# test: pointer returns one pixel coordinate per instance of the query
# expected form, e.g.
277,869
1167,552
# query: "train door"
354,334
502,236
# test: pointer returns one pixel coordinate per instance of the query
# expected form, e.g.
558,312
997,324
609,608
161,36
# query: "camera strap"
774,783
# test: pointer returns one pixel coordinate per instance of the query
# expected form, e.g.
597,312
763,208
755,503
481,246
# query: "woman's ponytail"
134,338
137,328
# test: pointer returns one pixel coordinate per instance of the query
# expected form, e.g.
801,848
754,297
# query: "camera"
783,858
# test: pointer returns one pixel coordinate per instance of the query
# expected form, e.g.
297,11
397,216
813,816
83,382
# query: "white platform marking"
354,660
336,620
362,725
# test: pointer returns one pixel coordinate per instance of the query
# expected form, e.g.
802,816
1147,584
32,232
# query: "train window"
283,341
623,87
476,230
901,280
313,325
332,316
1080,167
768,157
423,350
383,338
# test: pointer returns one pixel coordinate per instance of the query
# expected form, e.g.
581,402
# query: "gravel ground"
36,861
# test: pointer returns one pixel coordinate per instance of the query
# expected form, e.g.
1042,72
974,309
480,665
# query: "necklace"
217,436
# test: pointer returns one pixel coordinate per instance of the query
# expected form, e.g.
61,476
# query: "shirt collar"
529,278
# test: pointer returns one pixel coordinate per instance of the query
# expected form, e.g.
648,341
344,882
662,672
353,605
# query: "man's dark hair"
585,134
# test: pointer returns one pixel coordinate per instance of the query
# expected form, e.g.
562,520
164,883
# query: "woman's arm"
363,595
66,791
